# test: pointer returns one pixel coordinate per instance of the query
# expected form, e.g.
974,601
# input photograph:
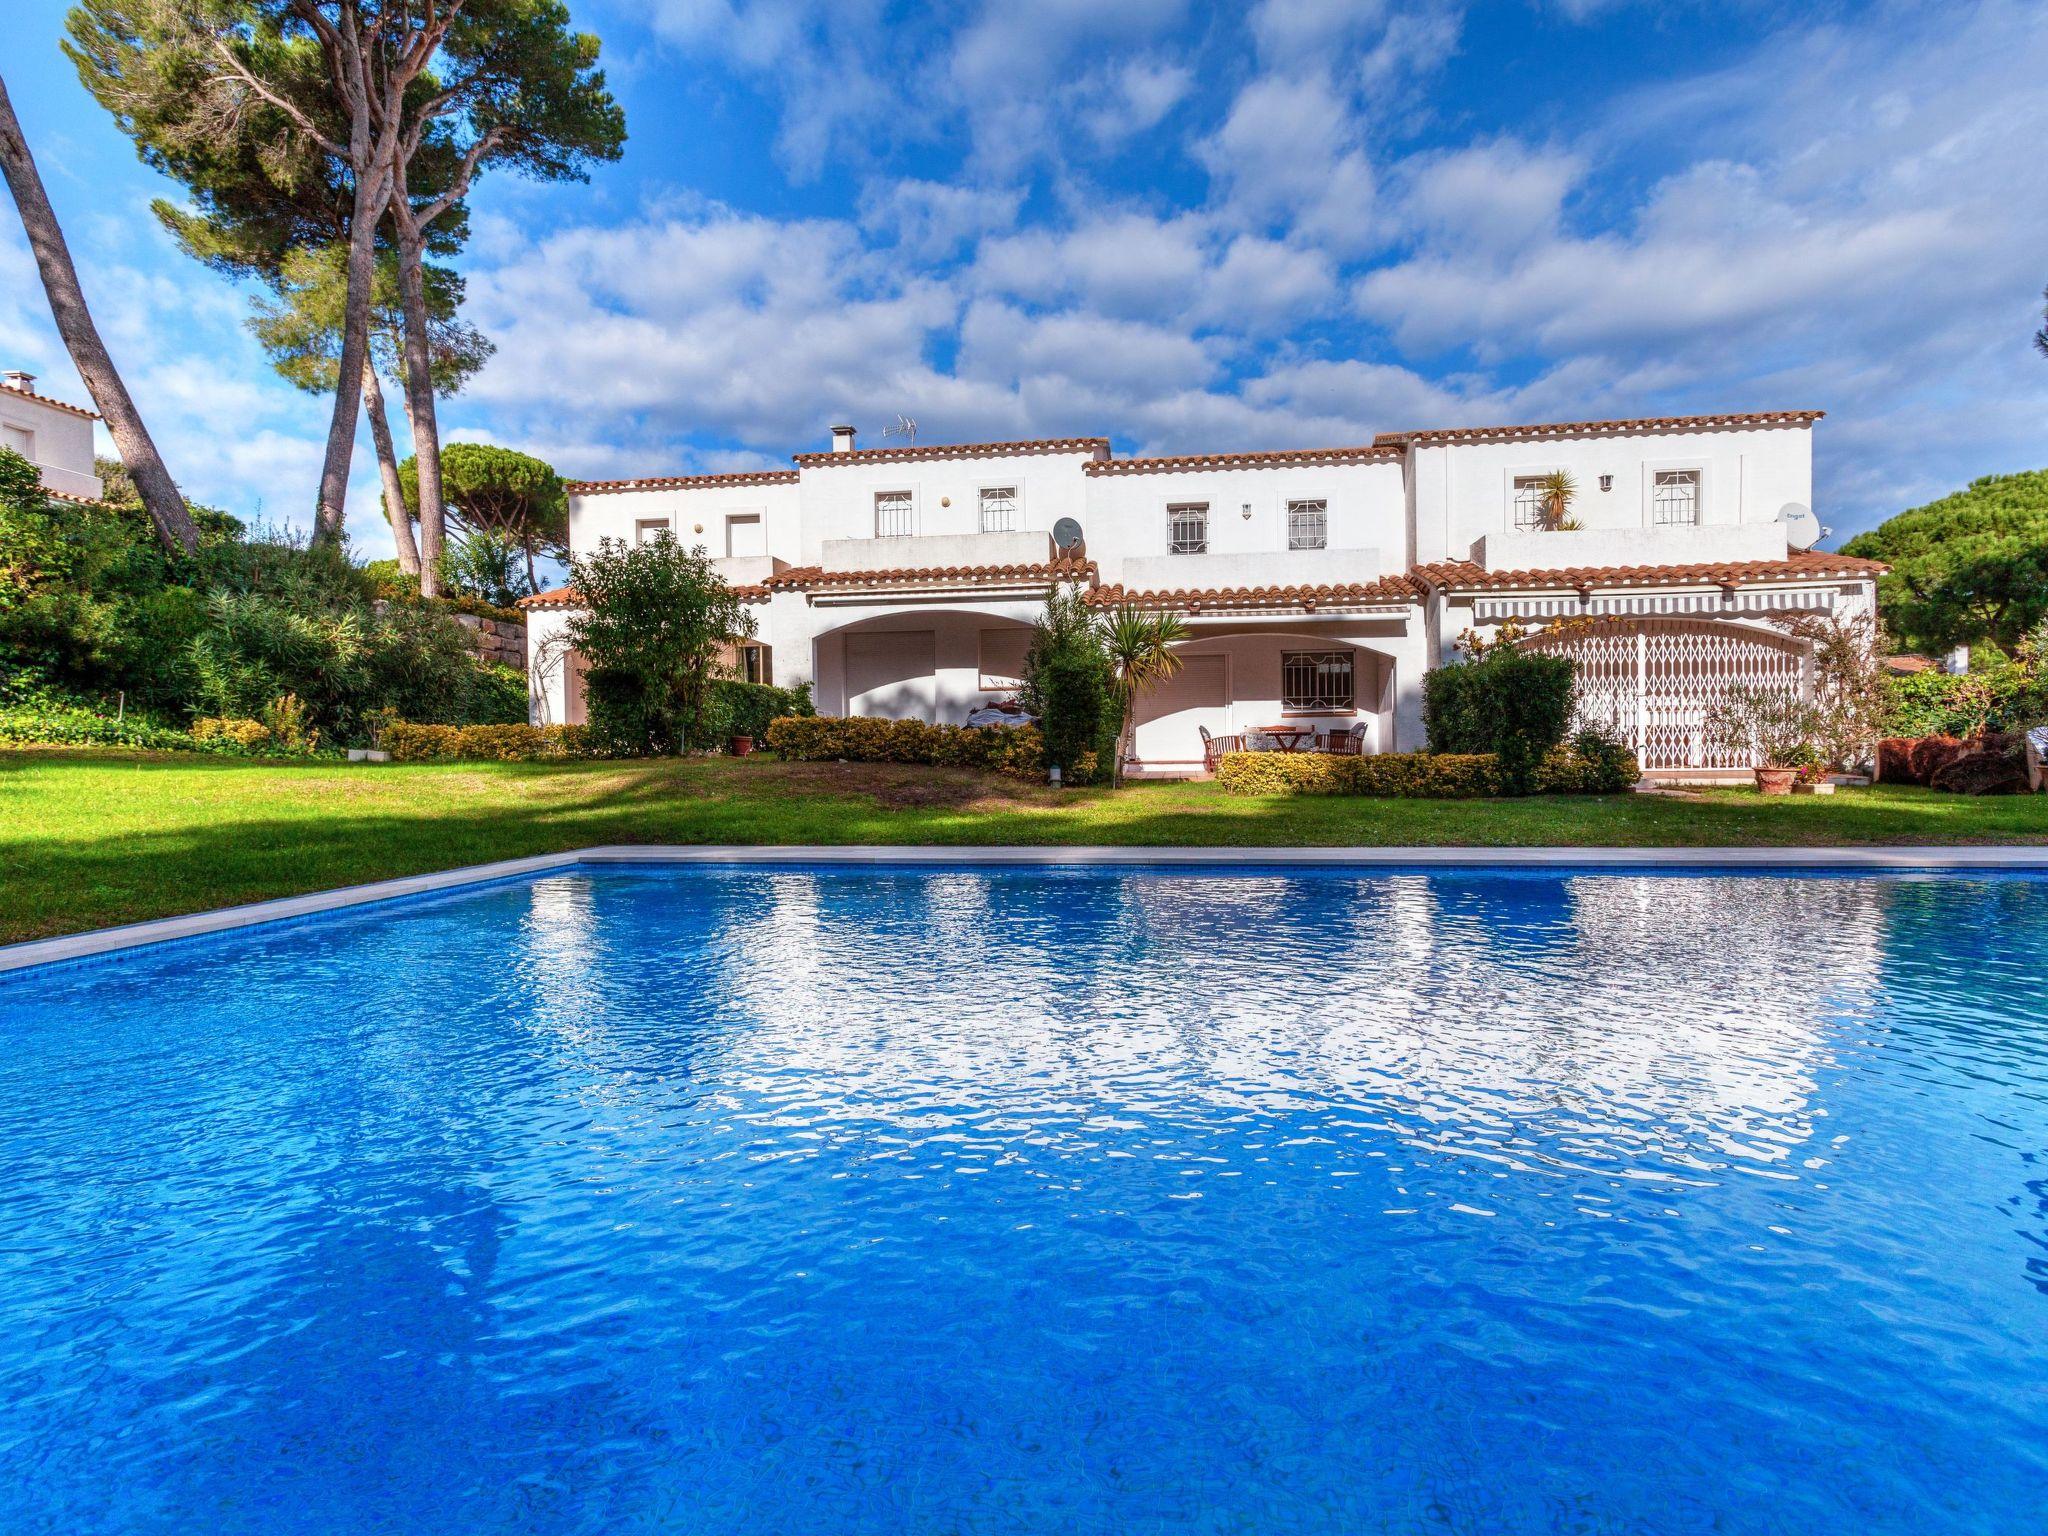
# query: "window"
647,529
21,440
1315,680
1532,502
1674,497
895,515
1308,524
999,509
754,663
1187,528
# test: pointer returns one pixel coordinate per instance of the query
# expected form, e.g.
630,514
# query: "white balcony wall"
1285,568
929,551
728,521
58,442
1522,551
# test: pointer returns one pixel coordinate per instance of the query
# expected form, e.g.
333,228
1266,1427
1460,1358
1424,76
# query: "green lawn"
93,838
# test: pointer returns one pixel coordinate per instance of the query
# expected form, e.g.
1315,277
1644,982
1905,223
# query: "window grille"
1316,680
1675,497
1308,524
1532,502
895,515
1188,529
999,509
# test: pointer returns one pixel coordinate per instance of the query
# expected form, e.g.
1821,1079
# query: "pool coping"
1873,859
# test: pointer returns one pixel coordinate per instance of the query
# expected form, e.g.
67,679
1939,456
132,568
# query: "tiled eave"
1057,445
1462,576
1737,421
566,598
923,581
1278,459
682,482
1390,592
7,390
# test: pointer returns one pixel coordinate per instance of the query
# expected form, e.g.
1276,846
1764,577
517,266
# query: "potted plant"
1772,730
1560,490
1812,779
742,745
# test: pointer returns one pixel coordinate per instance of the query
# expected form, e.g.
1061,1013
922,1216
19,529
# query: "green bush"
1513,703
1070,686
1998,698
748,709
1591,766
51,722
408,742
1017,750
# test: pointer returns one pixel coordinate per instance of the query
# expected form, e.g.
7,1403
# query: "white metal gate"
1653,681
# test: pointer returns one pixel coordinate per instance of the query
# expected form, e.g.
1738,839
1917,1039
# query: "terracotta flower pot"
1775,781
742,745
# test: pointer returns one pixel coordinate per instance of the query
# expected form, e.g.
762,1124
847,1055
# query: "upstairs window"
1531,502
21,440
648,529
1675,498
999,509
1316,680
895,515
1187,528
1308,524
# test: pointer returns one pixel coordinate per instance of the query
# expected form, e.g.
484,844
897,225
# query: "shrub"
1929,755
748,709
2003,698
1413,775
45,721
1070,686
411,742
1504,700
1018,750
237,736
1895,760
1591,763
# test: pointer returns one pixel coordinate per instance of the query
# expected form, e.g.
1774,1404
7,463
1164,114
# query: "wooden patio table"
1288,738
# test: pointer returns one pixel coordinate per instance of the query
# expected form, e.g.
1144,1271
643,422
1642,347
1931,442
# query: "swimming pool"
837,1199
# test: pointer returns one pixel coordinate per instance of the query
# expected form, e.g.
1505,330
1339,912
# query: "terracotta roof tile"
1598,428
955,451
75,500
1388,589
682,482
811,578
62,405
1278,458
569,597
1809,565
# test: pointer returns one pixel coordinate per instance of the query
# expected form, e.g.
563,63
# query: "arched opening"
1653,682
937,665
1231,684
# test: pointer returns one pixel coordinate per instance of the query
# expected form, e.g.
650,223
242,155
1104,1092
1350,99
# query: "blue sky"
1291,223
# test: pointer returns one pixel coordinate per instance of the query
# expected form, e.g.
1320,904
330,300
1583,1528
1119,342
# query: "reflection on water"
885,1200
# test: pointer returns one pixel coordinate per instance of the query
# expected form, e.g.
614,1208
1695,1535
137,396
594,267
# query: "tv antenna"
905,428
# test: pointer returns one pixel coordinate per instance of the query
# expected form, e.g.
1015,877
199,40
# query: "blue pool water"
759,1200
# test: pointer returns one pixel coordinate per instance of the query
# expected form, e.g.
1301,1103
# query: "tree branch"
283,104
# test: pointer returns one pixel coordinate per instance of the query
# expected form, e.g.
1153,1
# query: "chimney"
14,378
842,439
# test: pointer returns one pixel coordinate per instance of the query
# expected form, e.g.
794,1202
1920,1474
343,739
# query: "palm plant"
1560,490
1141,656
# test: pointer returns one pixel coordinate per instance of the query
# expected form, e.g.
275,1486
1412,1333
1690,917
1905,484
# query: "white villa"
53,436
1319,584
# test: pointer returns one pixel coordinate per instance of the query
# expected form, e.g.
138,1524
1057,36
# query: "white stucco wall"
839,497
857,680
58,442
1463,493
695,515
1125,517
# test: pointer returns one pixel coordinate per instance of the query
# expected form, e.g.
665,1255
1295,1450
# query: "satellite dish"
1802,528
1066,533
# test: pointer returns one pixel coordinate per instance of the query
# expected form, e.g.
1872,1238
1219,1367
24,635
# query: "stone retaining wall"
497,640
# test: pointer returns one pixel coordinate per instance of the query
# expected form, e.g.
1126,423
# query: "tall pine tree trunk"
372,188
387,471
419,385
89,355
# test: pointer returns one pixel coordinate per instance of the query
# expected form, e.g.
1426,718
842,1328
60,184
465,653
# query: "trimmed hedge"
748,709
1015,750
1512,704
1420,775
411,743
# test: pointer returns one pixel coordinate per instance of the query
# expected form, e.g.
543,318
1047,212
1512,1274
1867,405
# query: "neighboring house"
1318,585
53,436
